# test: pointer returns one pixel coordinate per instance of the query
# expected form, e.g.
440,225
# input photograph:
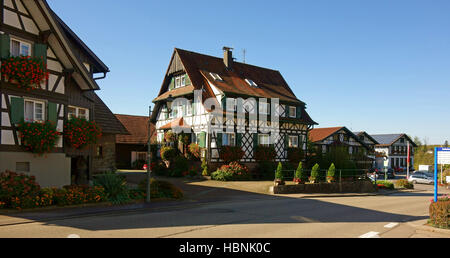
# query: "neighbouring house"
32,32
369,141
393,150
132,148
226,103
324,139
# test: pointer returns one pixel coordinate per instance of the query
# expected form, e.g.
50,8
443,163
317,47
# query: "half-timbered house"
229,103
31,28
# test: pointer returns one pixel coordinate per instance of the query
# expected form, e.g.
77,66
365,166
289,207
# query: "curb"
425,227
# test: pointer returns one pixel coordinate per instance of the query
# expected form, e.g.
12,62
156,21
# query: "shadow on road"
218,206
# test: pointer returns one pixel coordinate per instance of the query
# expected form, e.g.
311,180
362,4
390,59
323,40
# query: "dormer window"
216,77
292,112
251,83
20,48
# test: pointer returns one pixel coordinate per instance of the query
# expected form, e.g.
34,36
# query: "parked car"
390,173
421,178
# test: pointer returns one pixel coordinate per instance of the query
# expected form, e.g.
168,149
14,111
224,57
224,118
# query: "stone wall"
344,187
104,161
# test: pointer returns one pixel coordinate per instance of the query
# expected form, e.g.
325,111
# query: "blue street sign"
441,156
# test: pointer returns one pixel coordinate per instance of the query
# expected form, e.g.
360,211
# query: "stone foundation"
344,187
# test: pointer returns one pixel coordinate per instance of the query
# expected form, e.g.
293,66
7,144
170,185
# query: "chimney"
228,57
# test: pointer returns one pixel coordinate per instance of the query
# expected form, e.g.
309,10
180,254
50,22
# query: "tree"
331,173
300,175
315,174
446,144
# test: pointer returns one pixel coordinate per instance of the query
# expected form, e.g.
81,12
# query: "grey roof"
386,139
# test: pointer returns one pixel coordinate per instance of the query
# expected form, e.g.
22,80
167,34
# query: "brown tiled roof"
177,92
137,126
271,83
104,117
179,122
320,134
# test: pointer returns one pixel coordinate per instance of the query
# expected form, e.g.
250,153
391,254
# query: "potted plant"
331,174
279,175
315,174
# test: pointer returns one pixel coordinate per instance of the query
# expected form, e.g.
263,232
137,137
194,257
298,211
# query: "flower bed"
440,213
19,191
38,138
79,132
28,72
232,172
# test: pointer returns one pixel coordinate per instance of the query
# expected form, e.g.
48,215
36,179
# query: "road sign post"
441,156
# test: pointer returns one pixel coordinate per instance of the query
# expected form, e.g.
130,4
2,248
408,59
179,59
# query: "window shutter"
52,112
255,141
202,140
172,84
17,110
224,103
188,81
287,111
5,45
299,112
286,142
40,51
238,139
219,140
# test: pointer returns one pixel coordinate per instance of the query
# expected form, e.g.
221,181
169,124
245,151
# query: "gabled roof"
319,134
137,127
386,140
199,67
367,135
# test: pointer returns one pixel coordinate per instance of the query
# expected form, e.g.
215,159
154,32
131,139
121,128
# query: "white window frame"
34,102
77,112
177,82
231,100
261,108
182,80
226,139
216,77
292,114
264,136
189,109
291,141
21,43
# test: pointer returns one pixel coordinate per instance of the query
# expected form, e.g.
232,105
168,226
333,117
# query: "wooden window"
20,48
264,139
78,112
34,111
293,141
264,108
292,112
228,139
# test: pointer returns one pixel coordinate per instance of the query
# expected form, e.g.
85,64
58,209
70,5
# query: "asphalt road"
253,216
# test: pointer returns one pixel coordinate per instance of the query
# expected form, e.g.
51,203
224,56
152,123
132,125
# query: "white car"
421,178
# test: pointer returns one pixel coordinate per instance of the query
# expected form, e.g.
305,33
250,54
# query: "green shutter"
172,84
286,142
219,140
17,110
52,112
40,51
287,111
5,45
202,140
238,139
224,103
299,112
255,141
187,81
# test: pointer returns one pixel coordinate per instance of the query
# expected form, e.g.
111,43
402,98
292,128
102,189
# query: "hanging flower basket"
25,71
79,133
38,138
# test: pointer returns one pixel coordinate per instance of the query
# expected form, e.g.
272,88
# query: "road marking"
391,225
73,236
371,234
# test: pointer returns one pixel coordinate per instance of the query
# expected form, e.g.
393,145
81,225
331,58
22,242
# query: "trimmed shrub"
403,183
440,213
265,153
300,174
279,172
232,172
231,153
205,171
331,173
315,174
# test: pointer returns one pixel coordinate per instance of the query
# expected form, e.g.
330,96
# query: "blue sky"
380,66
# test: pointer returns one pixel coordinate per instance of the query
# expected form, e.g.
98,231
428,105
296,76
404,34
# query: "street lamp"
169,102
149,158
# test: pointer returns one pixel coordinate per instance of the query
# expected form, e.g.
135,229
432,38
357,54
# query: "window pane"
72,112
15,48
29,111
82,113
38,109
25,50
